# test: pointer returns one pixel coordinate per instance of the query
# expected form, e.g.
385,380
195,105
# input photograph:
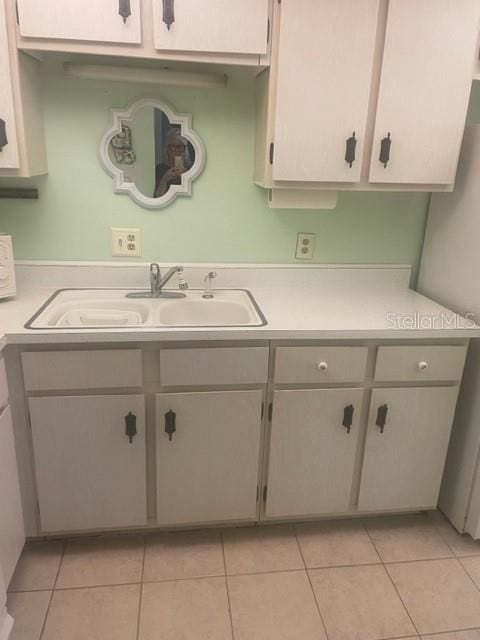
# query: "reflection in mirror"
152,153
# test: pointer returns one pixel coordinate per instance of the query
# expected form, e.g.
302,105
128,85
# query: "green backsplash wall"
226,220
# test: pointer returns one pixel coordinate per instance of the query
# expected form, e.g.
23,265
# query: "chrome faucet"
154,279
208,284
157,282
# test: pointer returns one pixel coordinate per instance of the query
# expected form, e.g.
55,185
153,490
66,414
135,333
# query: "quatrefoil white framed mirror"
152,153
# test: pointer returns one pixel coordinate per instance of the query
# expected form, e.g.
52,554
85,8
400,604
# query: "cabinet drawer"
3,385
200,367
320,364
55,370
420,363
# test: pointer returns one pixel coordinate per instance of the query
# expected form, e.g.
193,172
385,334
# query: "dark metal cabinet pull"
130,426
271,152
124,9
350,150
348,417
3,134
385,145
168,12
382,417
170,426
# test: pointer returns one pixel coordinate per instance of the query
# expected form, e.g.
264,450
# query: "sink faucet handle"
154,276
182,283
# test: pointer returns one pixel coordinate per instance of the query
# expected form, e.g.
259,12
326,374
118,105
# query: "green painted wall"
473,116
227,219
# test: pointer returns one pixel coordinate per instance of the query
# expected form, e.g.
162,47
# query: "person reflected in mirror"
177,161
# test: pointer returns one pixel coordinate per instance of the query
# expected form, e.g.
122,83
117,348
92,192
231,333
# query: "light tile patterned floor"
371,579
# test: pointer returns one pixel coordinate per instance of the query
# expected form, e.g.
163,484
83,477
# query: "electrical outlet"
126,242
305,246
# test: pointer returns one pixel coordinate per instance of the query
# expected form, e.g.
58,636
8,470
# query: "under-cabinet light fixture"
146,76
25,193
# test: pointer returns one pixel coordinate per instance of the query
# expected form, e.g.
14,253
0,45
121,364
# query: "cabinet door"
403,465
9,158
216,26
424,90
207,470
100,21
312,453
89,474
12,535
325,66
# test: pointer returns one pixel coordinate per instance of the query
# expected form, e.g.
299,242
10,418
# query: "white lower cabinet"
208,450
407,440
12,536
312,451
90,461
325,451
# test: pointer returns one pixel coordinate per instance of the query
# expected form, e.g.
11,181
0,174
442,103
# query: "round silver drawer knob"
322,366
422,365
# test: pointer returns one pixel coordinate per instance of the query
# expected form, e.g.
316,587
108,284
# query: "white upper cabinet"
365,95
213,26
22,138
325,64
424,89
9,156
101,21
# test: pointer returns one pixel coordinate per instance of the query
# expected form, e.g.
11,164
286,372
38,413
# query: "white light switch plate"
305,246
126,242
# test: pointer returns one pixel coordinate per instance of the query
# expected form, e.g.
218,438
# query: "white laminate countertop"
323,302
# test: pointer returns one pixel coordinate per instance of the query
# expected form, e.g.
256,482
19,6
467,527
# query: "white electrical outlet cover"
305,246
126,242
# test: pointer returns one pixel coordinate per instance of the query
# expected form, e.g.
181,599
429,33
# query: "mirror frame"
125,116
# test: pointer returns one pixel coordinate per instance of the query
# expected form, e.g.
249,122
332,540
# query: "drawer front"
56,370
417,363
215,366
3,385
320,364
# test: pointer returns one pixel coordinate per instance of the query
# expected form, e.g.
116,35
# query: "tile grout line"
52,592
438,529
393,583
468,574
451,631
367,533
140,597
310,583
250,573
227,587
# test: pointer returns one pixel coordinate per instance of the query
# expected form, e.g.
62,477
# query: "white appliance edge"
449,274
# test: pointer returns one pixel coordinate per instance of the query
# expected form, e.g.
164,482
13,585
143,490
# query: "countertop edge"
135,336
